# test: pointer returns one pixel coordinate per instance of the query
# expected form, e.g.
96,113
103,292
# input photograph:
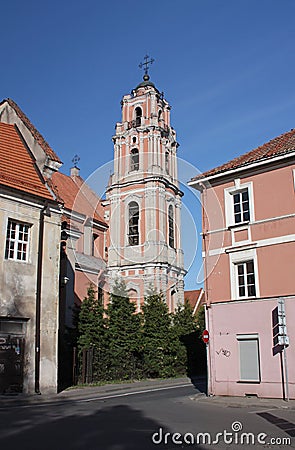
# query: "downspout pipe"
38,298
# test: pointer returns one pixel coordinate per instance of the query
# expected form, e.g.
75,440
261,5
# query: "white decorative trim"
241,228
257,222
256,244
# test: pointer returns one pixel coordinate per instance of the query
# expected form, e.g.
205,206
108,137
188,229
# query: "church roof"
35,133
279,146
17,166
145,83
77,196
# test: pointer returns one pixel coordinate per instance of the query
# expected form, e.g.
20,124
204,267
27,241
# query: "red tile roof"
37,136
192,297
17,167
281,145
74,198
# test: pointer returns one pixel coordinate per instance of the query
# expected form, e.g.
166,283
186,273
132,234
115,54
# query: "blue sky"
226,66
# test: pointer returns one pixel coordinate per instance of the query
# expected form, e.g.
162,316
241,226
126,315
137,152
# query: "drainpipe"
207,297
44,211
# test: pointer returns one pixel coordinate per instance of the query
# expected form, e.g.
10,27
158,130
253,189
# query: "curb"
238,402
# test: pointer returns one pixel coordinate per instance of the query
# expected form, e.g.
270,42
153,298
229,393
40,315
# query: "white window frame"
246,285
172,228
239,258
250,338
134,166
17,241
229,203
138,224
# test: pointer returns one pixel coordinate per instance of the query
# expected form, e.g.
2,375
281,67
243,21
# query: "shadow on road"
113,428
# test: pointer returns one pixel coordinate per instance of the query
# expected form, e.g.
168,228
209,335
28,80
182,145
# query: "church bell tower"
144,199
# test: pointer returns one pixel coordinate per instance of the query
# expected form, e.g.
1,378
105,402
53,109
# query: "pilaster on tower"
144,198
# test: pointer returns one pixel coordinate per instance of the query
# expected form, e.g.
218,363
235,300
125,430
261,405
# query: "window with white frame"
246,279
133,225
138,116
134,160
167,162
249,358
171,226
17,241
241,206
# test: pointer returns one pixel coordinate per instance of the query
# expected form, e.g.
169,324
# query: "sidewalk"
246,402
85,392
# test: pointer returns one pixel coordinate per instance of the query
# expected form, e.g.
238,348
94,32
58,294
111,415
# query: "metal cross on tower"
75,160
146,63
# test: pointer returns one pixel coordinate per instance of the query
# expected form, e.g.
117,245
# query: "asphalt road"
142,419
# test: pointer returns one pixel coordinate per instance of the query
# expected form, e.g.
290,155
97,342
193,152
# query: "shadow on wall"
196,360
67,337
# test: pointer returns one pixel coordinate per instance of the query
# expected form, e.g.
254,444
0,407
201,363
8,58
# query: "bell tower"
144,198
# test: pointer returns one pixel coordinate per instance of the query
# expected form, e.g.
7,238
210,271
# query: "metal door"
11,363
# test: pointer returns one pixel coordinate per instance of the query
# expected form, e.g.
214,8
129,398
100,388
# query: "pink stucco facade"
249,260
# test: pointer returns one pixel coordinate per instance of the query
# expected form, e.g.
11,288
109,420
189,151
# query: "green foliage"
91,323
200,320
131,346
123,335
158,358
184,324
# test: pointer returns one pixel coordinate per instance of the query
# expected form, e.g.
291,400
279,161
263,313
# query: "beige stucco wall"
18,288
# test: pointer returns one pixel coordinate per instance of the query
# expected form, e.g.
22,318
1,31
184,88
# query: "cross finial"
145,65
75,160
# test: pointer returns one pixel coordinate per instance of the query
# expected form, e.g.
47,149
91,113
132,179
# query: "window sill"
241,246
240,224
248,382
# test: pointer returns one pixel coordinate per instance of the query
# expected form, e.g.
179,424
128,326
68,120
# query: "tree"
184,328
92,331
158,358
123,335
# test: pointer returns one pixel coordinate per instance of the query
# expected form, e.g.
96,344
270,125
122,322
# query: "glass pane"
250,267
242,291
246,215
245,196
240,269
237,208
236,198
251,291
238,218
250,279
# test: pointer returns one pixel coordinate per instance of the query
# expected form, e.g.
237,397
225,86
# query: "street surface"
141,418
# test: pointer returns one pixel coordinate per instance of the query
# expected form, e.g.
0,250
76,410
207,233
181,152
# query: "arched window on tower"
171,226
138,116
134,160
167,162
133,224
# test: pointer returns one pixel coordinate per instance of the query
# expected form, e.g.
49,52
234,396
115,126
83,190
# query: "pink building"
249,259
